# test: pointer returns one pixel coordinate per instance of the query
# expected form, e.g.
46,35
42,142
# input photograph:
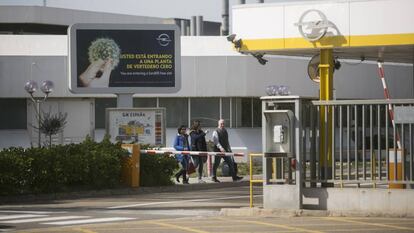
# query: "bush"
14,167
157,170
88,165
85,166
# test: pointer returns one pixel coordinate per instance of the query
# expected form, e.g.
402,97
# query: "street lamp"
31,87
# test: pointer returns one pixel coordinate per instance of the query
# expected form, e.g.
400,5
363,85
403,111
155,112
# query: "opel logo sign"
313,30
164,39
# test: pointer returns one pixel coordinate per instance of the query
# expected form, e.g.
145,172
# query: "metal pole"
225,18
199,25
193,26
326,93
38,122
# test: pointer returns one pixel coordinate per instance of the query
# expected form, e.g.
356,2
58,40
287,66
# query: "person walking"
221,144
198,143
181,144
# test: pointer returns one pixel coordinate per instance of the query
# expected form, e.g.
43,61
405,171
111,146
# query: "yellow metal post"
252,180
131,165
326,93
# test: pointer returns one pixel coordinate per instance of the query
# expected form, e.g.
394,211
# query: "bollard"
209,165
131,165
393,166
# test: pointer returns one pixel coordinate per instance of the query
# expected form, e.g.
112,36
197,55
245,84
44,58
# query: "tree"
51,124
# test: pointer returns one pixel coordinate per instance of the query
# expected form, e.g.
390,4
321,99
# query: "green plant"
84,166
14,171
51,124
157,170
88,165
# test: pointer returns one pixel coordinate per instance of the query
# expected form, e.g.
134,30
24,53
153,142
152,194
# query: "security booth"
281,134
337,142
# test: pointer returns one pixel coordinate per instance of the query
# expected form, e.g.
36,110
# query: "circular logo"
313,30
164,39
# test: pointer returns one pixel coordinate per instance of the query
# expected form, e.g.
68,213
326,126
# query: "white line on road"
22,216
85,221
180,201
29,212
44,219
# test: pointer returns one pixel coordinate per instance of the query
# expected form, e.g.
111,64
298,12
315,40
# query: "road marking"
21,216
29,212
368,223
44,219
180,201
176,226
84,230
276,225
85,221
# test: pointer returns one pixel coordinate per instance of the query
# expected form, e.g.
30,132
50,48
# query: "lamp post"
47,88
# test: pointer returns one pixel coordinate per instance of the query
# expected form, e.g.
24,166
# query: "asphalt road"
174,212
122,208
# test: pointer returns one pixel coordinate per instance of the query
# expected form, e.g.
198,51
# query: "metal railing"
362,143
252,180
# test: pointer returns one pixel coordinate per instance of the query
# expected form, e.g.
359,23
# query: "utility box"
278,133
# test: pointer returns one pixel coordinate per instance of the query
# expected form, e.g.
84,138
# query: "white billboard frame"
73,57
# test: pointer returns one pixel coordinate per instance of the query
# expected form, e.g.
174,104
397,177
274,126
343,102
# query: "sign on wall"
117,58
141,125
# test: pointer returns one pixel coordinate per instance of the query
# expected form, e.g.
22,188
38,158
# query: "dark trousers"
184,165
198,161
228,160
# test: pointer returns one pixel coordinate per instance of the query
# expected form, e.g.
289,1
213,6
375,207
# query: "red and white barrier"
196,153
387,97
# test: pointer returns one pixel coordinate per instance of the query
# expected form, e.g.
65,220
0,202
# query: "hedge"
74,167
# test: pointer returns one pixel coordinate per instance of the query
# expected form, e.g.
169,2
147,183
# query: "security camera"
337,64
238,43
260,58
231,37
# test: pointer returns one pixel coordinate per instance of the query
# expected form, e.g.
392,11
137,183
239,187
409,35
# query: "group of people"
198,143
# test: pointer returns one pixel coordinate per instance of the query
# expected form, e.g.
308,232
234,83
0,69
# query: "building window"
257,112
207,110
145,102
225,111
100,105
176,111
246,112
13,114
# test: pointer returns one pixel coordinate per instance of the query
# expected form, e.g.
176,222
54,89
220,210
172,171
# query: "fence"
367,147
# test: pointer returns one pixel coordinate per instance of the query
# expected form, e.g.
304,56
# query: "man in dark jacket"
221,144
198,143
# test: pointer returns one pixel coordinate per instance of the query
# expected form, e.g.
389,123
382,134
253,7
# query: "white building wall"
217,70
210,68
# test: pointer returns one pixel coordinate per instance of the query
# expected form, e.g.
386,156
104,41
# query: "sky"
211,10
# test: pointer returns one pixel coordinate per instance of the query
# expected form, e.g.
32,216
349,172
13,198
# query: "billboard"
140,125
123,58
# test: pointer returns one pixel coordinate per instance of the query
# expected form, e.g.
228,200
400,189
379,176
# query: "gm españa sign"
124,58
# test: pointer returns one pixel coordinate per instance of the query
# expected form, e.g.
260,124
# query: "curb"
121,191
248,212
